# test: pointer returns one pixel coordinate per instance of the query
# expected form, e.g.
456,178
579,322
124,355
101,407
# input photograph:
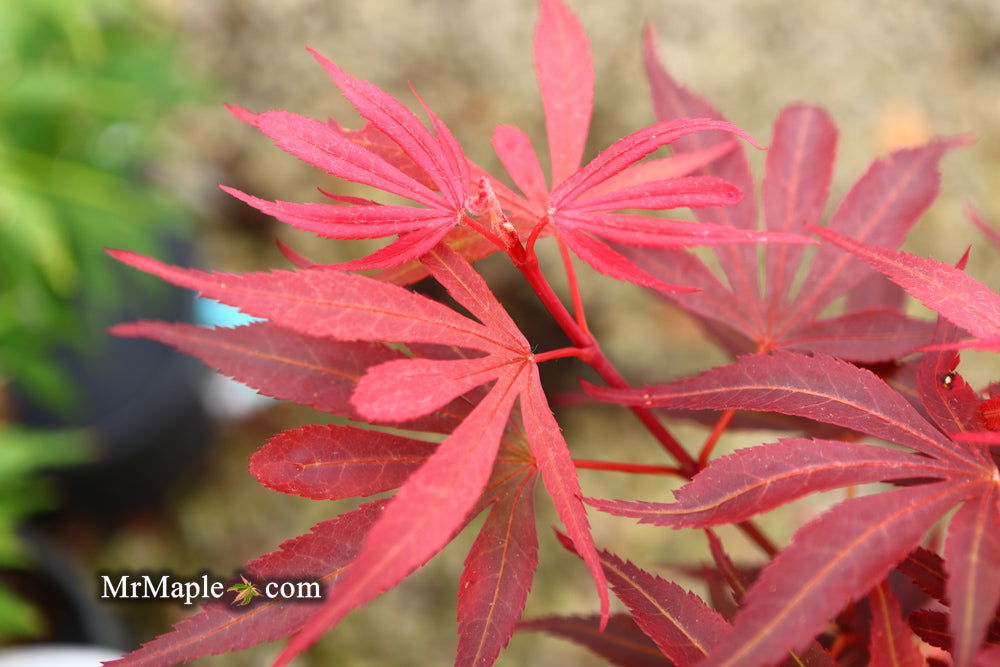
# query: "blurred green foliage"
82,87
23,453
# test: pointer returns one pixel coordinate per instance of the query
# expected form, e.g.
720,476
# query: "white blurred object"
224,398
57,655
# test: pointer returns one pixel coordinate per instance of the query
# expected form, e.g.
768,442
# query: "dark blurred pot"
140,399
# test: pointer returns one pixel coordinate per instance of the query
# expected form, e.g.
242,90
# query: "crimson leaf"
813,578
879,209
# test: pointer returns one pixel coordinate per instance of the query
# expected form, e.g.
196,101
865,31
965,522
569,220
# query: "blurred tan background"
890,73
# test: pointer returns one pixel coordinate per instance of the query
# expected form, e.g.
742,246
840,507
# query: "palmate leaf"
811,580
398,154
577,205
330,462
881,207
578,217
423,515
435,500
563,63
429,169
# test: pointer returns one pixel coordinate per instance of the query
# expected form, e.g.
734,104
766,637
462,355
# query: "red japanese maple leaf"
879,209
396,153
577,204
439,489
333,462
844,553
444,193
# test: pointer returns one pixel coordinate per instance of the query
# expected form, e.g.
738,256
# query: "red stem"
574,286
593,355
487,234
725,565
751,530
526,261
634,468
559,354
720,427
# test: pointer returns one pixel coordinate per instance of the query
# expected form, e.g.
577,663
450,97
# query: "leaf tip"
960,140
327,64
675,289
242,114
124,330
242,196
125,256
650,38
753,142
296,258
820,231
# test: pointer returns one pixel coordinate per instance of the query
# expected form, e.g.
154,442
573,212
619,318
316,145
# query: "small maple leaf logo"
245,592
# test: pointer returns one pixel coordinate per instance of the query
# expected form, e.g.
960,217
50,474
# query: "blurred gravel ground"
891,73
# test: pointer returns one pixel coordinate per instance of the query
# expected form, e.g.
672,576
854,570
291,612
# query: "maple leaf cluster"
465,385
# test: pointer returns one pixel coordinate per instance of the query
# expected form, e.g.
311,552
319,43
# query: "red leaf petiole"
633,468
